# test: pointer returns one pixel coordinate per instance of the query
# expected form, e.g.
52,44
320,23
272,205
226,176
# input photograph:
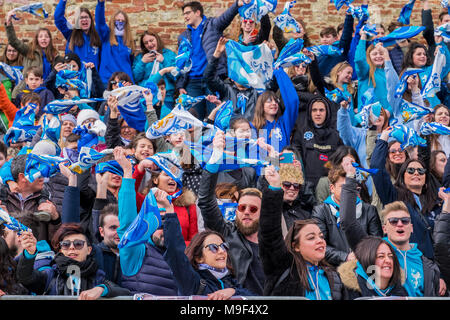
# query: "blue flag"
63,106
443,31
339,3
187,101
399,34
36,9
87,158
370,29
249,66
402,84
43,165
109,166
169,163
144,225
291,55
412,111
11,223
444,4
223,116
360,12
371,110
406,136
285,21
183,60
405,14
256,9
433,83
13,73
428,128
326,50
68,79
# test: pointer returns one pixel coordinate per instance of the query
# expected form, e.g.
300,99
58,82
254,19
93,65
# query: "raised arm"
60,20
100,21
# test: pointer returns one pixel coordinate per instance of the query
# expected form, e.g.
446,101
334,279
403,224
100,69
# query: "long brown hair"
50,51
159,42
17,62
77,39
292,240
433,138
127,36
259,120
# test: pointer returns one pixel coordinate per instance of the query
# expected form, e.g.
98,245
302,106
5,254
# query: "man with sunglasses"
241,234
422,274
328,217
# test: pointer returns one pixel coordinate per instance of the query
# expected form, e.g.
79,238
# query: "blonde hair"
372,67
250,192
393,206
127,36
289,172
334,75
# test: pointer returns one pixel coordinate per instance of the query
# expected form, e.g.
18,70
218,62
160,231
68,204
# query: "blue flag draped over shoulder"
11,223
399,34
291,55
406,136
326,50
36,9
412,111
285,21
428,128
256,9
249,66
183,60
13,73
43,165
405,14
130,105
87,158
144,225
402,84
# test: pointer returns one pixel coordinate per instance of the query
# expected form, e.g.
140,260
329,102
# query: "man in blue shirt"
203,33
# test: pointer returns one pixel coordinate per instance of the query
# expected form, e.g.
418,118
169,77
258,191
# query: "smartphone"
287,157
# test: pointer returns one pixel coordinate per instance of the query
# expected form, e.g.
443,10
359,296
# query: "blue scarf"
332,203
319,282
371,284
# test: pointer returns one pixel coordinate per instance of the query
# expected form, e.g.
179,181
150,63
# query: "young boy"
34,83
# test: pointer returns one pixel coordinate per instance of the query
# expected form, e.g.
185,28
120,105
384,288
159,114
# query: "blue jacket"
113,58
326,63
364,81
423,222
212,31
186,277
86,53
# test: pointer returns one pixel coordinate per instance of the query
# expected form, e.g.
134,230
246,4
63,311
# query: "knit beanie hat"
69,117
46,147
86,114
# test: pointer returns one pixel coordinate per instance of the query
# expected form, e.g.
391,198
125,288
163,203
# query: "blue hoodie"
319,282
411,260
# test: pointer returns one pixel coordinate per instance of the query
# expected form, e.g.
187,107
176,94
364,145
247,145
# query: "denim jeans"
195,88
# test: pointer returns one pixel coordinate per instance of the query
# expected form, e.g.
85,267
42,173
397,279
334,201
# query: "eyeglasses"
288,184
85,18
396,150
187,12
420,171
125,128
77,244
243,207
214,248
248,21
394,221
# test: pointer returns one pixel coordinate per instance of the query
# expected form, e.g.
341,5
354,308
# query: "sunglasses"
396,150
214,248
394,221
248,21
288,184
243,207
420,171
77,244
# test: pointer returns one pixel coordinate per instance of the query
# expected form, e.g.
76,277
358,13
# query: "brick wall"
164,16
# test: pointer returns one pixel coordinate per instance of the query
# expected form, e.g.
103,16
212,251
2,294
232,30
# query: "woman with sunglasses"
74,256
250,36
295,265
413,188
204,267
421,273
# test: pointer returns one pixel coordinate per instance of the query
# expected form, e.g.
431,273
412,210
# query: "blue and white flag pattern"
169,163
36,9
369,113
339,3
41,166
111,166
433,84
405,13
363,173
406,136
370,29
443,31
129,105
223,116
11,223
256,9
183,60
412,111
444,4
144,225
399,34
402,83
360,12
187,101
337,95
291,55
69,79
285,21
250,66
428,128
13,73
63,106
326,50
87,158
168,125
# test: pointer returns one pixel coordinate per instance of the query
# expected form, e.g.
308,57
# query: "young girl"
117,42
82,38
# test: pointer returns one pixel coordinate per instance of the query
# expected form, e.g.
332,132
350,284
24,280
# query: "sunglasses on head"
420,171
394,221
214,248
243,207
288,184
77,244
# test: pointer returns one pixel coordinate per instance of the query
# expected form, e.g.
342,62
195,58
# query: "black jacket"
277,259
315,144
441,236
240,251
337,245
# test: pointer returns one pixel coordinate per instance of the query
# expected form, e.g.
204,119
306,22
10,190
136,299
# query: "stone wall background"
165,16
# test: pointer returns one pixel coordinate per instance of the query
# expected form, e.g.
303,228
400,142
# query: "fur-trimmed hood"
186,199
349,278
